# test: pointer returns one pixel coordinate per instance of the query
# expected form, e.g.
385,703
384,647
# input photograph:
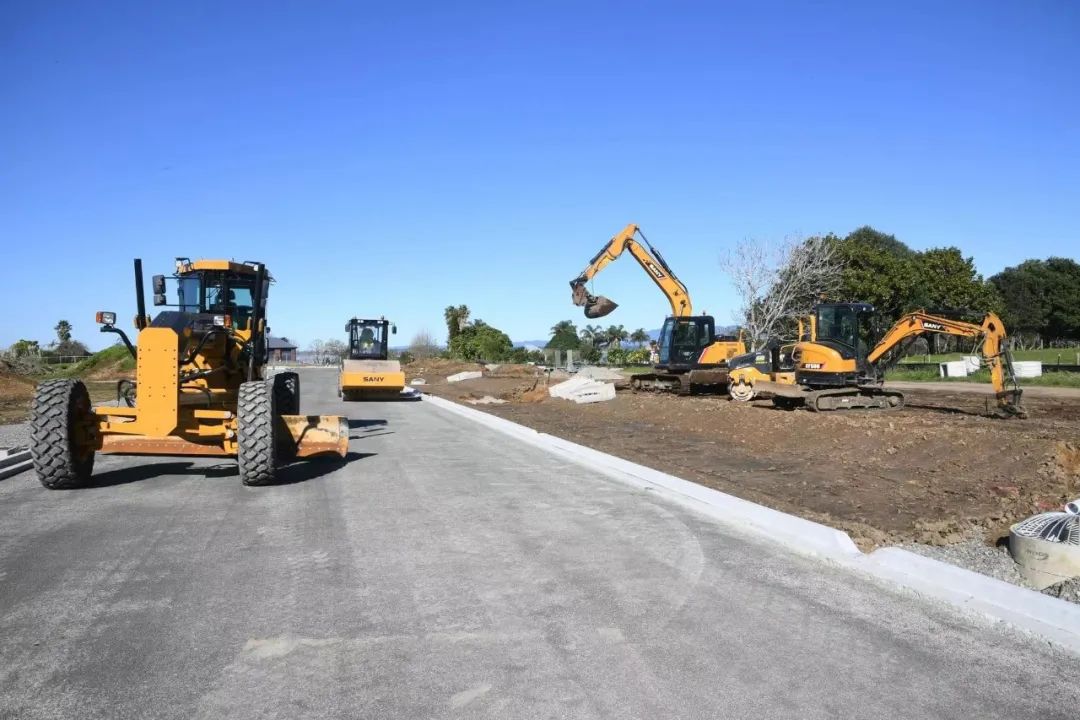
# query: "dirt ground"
16,392
932,472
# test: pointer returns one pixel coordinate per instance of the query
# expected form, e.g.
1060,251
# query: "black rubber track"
287,393
257,452
59,407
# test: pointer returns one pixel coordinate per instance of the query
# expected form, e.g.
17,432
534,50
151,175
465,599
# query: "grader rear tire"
257,454
59,429
287,393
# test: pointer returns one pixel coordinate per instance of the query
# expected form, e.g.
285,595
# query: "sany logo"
373,378
932,325
657,272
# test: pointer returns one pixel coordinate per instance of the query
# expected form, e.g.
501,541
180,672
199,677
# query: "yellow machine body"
187,385
368,373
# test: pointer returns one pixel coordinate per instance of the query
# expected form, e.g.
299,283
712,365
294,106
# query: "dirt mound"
16,392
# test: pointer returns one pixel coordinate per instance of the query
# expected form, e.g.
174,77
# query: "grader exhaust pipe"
596,306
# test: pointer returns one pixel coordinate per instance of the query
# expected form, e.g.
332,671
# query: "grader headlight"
105,318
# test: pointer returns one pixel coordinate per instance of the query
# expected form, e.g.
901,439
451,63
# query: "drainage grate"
1056,527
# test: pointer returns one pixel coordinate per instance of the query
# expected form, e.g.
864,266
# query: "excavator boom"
995,350
650,260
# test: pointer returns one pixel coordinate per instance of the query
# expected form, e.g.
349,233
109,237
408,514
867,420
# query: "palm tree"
592,335
639,336
616,334
63,331
456,319
564,326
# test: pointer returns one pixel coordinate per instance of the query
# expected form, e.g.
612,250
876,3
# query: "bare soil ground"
933,472
16,391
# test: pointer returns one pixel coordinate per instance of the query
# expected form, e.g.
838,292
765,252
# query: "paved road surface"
447,571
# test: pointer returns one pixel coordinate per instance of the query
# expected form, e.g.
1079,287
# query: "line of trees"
1039,300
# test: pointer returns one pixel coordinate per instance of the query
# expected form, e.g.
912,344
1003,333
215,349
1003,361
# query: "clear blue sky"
394,158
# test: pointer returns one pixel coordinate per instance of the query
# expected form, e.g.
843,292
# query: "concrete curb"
1055,620
14,461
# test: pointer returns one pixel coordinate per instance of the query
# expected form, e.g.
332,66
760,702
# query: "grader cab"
200,386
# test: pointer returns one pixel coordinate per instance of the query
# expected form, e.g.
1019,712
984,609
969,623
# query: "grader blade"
311,435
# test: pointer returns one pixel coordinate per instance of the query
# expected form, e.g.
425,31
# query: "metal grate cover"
1056,527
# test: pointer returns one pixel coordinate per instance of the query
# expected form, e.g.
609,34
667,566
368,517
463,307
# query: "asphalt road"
449,571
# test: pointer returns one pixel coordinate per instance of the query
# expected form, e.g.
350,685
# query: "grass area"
1049,356
1054,379
636,369
116,357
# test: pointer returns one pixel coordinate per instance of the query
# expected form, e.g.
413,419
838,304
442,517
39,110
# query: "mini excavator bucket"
596,306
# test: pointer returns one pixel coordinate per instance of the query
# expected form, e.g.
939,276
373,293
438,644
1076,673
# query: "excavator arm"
651,261
995,350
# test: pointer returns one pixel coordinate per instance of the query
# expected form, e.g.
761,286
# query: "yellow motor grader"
200,386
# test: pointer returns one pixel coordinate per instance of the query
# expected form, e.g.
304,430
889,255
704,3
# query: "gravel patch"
15,435
975,555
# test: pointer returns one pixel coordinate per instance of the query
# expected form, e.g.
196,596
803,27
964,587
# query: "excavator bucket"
595,305
308,435
599,306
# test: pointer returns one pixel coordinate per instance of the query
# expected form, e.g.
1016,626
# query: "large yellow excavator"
836,369
692,355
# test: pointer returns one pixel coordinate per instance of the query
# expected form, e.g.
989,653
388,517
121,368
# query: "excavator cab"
847,328
683,339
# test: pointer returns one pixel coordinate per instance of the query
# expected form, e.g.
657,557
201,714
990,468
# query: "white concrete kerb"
1050,618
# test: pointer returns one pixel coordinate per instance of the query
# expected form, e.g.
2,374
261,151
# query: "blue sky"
394,158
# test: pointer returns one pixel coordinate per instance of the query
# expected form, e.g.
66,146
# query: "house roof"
279,343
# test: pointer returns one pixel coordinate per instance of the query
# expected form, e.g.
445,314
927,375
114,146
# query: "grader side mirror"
393,329
159,298
159,284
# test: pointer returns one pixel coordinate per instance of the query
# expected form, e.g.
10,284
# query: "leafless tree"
335,350
423,345
317,348
777,283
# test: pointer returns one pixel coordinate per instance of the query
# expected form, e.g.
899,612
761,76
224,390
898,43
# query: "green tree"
564,336
639,336
592,335
456,319
1041,296
616,335
25,348
878,269
949,281
480,341
63,331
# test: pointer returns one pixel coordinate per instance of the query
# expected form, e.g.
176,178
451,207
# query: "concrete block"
1027,368
468,375
418,381
596,392
954,368
563,389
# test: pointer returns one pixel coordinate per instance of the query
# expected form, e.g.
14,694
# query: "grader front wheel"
61,433
257,452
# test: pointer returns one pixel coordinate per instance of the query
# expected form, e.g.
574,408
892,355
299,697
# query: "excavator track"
853,398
